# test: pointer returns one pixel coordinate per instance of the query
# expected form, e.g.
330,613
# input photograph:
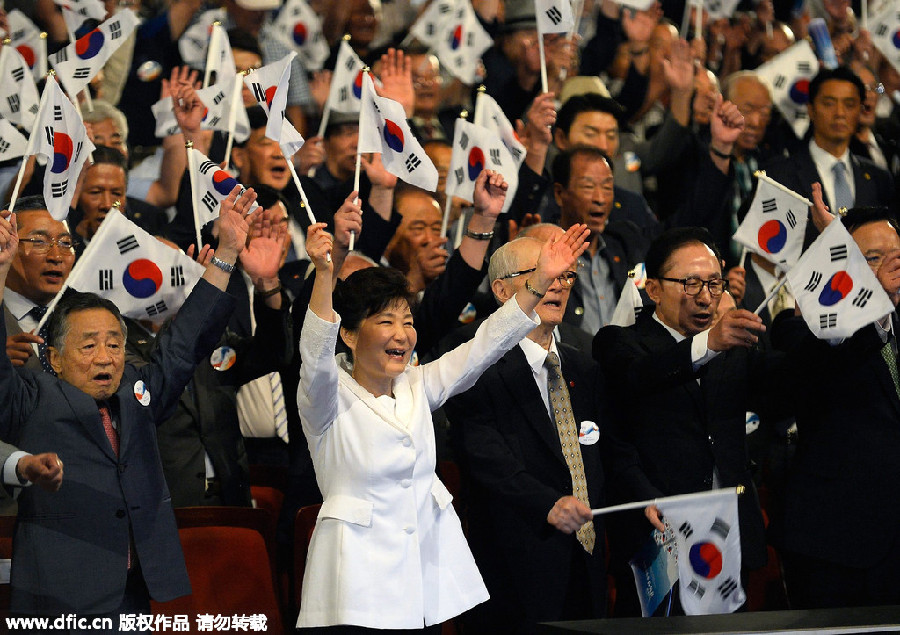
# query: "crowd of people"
358,352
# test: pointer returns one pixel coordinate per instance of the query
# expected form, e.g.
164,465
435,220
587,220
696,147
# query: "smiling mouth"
396,353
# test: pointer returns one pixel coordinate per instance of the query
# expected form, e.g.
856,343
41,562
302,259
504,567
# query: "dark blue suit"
70,548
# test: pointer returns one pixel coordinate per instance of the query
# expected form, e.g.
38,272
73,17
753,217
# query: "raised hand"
737,328
431,258
639,25
262,257
725,125
233,227
319,87
9,239
311,155
347,220
18,347
490,193
44,469
539,120
888,275
204,257
678,68
375,171
737,283
559,254
396,80
319,244
821,215
187,107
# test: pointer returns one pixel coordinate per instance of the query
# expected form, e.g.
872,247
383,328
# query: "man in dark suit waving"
107,541
529,440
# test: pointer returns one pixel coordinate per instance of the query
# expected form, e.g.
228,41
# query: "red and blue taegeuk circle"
456,37
836,289
772,236
142,278
393,136
62,152
357,85
476,162
706,560
89,44
895,39
300,33
223,182
270,95
799,92
27,54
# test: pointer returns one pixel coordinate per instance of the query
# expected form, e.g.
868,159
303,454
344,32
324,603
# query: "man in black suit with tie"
534,474
684,382
835,100
841,536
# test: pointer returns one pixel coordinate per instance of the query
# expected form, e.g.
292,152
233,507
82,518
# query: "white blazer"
388,550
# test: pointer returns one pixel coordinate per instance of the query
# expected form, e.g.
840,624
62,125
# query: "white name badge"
589,433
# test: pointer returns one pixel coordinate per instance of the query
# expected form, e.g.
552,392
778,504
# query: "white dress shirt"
824,163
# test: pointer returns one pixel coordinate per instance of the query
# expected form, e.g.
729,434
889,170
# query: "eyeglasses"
566,280
878,88
693,286
42,245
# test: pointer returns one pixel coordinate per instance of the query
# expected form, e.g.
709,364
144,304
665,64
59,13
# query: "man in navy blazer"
107,541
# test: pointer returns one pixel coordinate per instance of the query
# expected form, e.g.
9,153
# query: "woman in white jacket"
388,551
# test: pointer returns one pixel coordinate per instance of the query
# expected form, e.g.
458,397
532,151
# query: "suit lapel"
654,338
402,395
516,374
862,182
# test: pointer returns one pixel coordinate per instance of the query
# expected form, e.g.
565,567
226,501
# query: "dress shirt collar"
535,354
678,336
17,304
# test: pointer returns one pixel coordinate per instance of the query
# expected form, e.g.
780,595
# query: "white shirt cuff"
9,470
700,353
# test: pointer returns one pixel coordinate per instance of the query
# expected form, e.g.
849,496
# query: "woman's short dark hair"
670,241
369,291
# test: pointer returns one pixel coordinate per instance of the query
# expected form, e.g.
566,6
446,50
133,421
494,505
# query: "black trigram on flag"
686,530
799,114
78,147
62,55
554,15
115,30
779,81
343,94
882,30
219,97
176,276
804,67
727,587
18,74
57,113
429,28
156,309
350,64
48,131
470,39
696,588
209,202
412,162
464,141
34,109
814,279
4,145
105,282
720,527
83,72
127,244
58,190
862,298
206,166
459,173
258,93
515,152
444,8
495,156
769,205
791,219
827,320
838,252
13,101
214,121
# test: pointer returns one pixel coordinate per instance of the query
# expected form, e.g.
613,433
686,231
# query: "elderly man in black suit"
684,382
841,535
529,436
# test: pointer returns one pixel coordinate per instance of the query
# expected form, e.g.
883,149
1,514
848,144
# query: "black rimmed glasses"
566,280
694,286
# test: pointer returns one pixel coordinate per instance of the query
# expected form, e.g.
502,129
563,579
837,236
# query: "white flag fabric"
489,114
269,86
383,128
33,50
218,99
81,60
13,143
20,27
19,99
60,136
475,148
719,9
219,58
194,43
775,224
291,140
213,185
630,303
789,74
346,82
638,5
709,552
76,12
166,124
299,26
834,287
144,278
554,16
885,30
452,30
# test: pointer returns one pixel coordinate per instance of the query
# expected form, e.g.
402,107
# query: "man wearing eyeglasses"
41,266
685,382
531,487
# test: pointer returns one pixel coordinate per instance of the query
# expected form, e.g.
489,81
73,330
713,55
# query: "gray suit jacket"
13,328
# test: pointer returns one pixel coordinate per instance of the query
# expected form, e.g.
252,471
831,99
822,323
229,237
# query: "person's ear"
55,359
653,287
501,292
350,338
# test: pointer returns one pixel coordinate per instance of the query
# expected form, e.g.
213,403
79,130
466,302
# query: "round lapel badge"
141,393
589,433
223,358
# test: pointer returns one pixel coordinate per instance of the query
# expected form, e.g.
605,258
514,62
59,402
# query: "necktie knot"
843,195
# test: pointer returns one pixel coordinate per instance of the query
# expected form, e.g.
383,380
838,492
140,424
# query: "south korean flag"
835,289
213,185
269,86
383,129
346,81
554,16
886,34
19,99
144,278
13,143
298,25
475,149
193,45
489,114
789,73
452,30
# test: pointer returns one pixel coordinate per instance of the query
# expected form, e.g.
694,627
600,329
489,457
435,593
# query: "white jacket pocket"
441,494
349,509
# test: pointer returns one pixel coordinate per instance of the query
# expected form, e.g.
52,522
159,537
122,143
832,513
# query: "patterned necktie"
568,438
38,313
890,358
278,407
843,197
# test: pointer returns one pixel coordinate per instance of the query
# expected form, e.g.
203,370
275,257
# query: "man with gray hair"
526,438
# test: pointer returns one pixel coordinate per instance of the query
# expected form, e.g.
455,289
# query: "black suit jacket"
683,430
510,455
841,491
